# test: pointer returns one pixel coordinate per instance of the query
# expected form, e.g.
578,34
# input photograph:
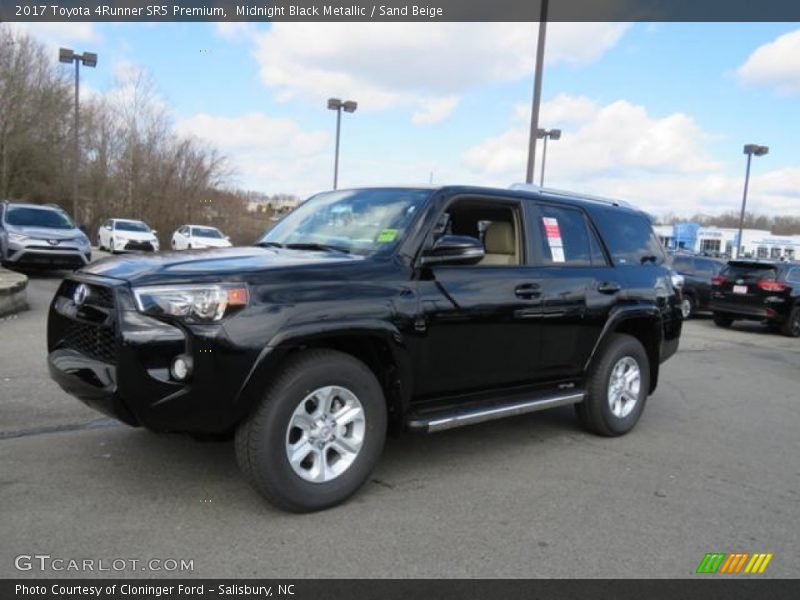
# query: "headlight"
677,280
16,237
195,303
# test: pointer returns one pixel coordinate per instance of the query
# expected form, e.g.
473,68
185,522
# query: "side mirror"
454,250
108,227
227,237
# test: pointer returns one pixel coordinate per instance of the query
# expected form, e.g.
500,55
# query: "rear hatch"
748,283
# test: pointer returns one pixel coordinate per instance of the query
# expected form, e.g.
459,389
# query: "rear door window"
565,238
706,268
793,276
683,264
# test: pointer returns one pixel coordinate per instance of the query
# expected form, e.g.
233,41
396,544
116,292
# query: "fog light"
181,368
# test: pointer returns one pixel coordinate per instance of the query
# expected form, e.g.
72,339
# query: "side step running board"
459,417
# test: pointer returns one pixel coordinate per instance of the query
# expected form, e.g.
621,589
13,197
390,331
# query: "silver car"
41,235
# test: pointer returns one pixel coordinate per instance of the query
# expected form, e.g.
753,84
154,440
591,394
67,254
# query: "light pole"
347,106
553,134
89,59
537,92
750,150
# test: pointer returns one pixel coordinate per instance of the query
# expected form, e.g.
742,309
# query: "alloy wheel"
624,386
325,434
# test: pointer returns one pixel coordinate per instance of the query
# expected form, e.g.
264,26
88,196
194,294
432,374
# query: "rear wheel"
687,307
317,434
721,320
791,327
617,389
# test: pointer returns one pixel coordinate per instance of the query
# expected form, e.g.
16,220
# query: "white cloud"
58,34
776,64
597,140
268,153
435,111
414,65
658,162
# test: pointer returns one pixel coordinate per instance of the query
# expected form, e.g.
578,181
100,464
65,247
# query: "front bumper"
116,360
68,254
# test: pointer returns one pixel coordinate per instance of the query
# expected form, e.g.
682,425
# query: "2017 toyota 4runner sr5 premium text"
370,310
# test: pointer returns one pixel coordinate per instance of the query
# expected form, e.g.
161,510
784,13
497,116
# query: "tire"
721,320
622,354
791,327
688,307
265,439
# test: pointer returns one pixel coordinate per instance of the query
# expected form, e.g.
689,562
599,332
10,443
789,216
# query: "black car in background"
758,290
697,271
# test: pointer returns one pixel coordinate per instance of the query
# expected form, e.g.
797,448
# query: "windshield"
23,216
358,221
131,226
206,232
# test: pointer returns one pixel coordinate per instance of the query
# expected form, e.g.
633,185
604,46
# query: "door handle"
527,290
609,287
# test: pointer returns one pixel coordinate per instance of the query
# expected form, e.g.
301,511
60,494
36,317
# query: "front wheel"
722,321
317,434
617,389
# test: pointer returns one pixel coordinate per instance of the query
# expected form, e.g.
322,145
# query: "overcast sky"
653,113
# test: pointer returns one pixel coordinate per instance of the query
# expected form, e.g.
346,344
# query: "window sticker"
387,236
553,233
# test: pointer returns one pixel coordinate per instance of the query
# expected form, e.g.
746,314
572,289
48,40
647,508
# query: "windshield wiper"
268,244
315,246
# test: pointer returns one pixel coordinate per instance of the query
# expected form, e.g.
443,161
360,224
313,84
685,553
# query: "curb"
13,296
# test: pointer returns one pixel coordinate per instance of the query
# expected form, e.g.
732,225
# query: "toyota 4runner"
373,309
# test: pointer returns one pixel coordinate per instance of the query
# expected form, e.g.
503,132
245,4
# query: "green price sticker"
387,236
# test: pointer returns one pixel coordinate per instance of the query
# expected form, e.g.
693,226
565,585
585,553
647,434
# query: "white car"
199,236
124,235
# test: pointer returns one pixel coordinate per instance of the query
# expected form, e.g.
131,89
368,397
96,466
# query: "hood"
211,242
45,233
139,236
208,265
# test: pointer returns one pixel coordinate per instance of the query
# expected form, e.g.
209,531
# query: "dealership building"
756,243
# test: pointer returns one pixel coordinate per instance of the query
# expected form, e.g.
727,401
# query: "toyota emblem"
80,295
53,242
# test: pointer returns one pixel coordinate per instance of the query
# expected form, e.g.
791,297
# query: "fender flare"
628,313
300,335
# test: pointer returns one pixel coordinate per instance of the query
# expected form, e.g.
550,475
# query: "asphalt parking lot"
712,466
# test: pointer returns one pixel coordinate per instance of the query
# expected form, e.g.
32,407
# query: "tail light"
772,286
718,280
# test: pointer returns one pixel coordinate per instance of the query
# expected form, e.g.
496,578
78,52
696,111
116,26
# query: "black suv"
697,272
370,309
758,290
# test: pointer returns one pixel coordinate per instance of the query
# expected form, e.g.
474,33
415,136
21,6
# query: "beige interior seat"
501,244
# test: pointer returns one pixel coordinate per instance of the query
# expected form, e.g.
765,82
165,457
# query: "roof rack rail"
532,187
590,197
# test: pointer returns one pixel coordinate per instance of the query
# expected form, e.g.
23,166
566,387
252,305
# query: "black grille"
134,245
96,341
98,295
